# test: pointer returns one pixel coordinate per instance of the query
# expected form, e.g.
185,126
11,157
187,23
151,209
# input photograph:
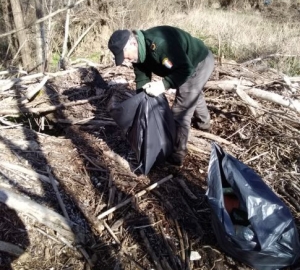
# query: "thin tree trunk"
48,35
8,26
22,35
40,37
63,63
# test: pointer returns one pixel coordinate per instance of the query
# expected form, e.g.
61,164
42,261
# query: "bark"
48,52
42,19
8,25
230,85
22,35
40,37
63,63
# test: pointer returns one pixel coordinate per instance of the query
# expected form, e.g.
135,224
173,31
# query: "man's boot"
180,149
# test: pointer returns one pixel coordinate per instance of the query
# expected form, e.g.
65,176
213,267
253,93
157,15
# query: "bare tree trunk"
22,35
48,52
8,27
63,62
40,37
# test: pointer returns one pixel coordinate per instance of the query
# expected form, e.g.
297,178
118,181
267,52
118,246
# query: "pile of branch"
249,87
265,96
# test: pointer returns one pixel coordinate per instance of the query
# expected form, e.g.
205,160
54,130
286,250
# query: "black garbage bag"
273,242
149,127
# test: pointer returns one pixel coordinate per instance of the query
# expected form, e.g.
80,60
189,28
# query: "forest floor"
60,170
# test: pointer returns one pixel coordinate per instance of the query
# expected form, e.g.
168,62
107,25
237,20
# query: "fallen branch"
189,210
248,100
32,92
150,251
60,201
32,173
290,198
169,250
63,208
48,109
111,233
117,158
35,210
196,149
9,124
85,62
139,194
182,183
255,92
122,250
180,241
276,113
275,98
112,193
88,121
294,79
227,85
94,163
187,250
212,137
9,83
12,71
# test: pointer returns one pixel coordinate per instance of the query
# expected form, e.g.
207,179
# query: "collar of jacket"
142,45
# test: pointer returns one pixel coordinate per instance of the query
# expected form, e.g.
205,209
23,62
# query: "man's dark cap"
117,43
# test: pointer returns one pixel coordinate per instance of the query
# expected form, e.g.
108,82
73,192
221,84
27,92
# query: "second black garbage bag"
250,221
149,127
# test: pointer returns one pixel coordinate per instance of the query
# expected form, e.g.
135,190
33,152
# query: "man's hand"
154,89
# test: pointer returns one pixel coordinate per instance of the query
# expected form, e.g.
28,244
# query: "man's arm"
179,64
180,73
142,75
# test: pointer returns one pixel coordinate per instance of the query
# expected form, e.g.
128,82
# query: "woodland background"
64,164
38,35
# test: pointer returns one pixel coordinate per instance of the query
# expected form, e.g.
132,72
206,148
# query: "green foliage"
292,66
55,59
94,56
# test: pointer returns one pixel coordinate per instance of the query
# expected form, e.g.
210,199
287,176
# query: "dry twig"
139,194
151,251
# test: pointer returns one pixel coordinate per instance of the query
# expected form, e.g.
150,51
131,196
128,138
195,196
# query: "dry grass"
241,34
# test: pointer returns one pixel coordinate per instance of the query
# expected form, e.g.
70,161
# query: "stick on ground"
139,194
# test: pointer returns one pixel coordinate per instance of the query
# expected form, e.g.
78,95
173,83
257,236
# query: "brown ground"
168,222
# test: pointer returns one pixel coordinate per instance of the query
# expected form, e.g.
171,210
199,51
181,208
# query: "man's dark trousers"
189,102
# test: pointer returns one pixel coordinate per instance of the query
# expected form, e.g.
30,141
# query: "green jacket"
171,53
